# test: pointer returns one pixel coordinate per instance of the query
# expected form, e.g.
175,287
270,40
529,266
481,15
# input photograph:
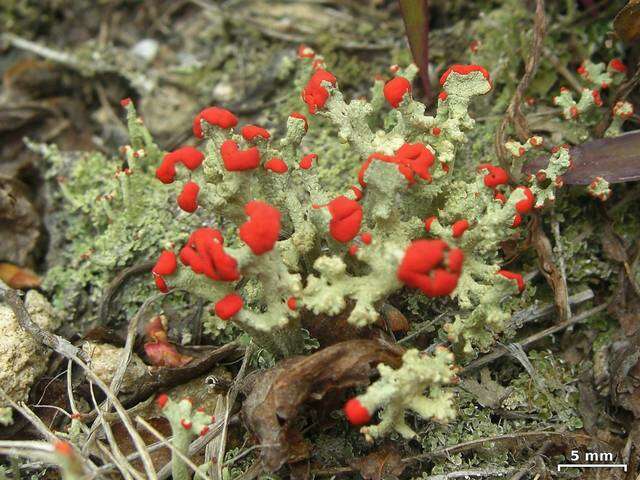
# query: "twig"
490,472
501,351
548,267
232,394
532,461
117,283
514,115
555,228
54,342
71,352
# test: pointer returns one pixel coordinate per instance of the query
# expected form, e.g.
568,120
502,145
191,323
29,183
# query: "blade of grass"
415,14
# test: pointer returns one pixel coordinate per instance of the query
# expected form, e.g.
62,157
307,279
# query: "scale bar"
593,465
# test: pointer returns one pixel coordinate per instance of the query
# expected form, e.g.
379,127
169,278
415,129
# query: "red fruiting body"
459,227
395,90
357,192
125,102
163,354
574,112
463,70
188,198
496,176
307,161
292,303
276,165
431,266
443,96
305,52
185,424
236,160
597,99
301,117
582,70
500,197
229,306
414,158
314,94
474,46
262,229
63,448
205,254
526,205
617,65
428,222
251,132
160,283
521,151
346,217
356,413
513,276
366,238
353,249
436,131
517,220
190,157
219,117
162,400
166,264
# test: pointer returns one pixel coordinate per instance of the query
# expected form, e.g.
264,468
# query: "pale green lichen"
402,390
599,188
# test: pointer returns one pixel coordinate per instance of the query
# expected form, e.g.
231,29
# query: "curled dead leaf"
17,277
385,462
627,22
278,394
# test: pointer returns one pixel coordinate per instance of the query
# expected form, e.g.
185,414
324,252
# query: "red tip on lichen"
292,303
162,399
251,132
525,205
517,220
395,90
236,160
63,448
496,176
125,102
442,96
353,249
262,229
301,117
617,65
307,161
464,70
305,52
205,254
166,264
188,198
229,306
314,94
220,117
276,165
357,192
190,157
356,413
513,276
366,238
597,99
436,131
459,227
186,424
427,223
431,266
346,217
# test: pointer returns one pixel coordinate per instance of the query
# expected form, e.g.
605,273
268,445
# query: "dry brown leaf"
385,462
17,277
627,22
19,222
277,394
